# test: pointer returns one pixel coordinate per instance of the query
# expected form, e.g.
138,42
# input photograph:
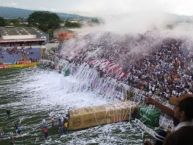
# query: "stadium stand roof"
21,34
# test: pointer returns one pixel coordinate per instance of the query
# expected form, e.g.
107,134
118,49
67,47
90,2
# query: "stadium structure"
21,46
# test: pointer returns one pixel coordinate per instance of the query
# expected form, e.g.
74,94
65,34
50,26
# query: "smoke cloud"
138,17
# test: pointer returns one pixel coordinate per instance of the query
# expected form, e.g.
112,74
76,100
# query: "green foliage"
2,21
46,21
70,24
14,22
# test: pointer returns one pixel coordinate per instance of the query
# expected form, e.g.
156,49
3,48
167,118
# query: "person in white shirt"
183,132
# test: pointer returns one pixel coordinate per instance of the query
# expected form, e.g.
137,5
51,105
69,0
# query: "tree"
70,24
2,21
46,21
14,22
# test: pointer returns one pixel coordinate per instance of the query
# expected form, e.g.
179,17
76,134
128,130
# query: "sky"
107,7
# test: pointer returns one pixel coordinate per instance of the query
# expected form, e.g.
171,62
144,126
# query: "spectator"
45,131
45,128
17,128
183,132
182,101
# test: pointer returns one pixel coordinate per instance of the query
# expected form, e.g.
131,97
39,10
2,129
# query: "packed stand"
157,65
12,55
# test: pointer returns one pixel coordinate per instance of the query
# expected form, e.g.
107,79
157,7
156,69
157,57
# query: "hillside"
10,13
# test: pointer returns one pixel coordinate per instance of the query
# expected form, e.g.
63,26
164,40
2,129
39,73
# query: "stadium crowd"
14,54
159,67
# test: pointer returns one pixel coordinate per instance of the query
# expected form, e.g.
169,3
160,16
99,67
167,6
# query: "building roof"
12,34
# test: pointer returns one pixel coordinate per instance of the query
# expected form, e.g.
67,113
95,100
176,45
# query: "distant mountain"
10,13
65,16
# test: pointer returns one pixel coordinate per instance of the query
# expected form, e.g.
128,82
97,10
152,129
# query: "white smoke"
137,22
139,16
146,23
